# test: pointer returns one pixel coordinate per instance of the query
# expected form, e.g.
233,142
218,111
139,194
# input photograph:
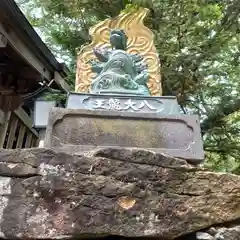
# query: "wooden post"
12,132
21,114
3,41
28,140
4,128
34,141
21,136
2,117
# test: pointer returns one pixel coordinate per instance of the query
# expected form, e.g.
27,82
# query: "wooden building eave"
26,42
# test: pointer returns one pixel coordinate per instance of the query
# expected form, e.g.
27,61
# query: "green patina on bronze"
119,72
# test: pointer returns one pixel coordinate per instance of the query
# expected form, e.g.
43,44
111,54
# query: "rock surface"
177,135
52,194
220,233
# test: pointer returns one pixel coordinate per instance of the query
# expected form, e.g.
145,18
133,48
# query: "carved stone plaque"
161,105
177,135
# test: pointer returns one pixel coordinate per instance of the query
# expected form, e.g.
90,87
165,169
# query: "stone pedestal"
78,130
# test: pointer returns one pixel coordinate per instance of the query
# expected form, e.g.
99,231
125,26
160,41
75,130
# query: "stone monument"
106,170
122,104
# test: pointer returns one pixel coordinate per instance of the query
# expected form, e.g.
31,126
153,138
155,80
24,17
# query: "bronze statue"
118,71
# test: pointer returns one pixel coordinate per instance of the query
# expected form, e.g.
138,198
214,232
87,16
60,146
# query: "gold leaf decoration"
140,40
126,202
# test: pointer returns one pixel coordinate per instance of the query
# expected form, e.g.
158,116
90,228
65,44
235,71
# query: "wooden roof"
25,59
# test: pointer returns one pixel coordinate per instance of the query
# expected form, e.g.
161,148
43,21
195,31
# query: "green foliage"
199,45
60,98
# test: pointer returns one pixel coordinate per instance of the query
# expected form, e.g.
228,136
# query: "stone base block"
176,135
132,194
121,103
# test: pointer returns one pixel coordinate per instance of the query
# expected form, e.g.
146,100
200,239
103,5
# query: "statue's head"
118,39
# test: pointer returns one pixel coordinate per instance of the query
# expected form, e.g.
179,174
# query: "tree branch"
216,116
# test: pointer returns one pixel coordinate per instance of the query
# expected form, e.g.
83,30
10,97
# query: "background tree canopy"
199,46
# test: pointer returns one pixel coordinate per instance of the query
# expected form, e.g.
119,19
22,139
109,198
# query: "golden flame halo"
140,40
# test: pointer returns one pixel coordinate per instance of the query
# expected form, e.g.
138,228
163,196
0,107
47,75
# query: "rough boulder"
46,193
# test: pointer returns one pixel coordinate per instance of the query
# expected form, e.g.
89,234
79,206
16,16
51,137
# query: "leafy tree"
199,45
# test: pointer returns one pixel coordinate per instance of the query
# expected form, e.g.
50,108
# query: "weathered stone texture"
177,135
51,194
220,233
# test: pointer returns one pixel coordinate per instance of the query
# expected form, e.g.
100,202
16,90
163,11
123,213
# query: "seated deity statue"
117,71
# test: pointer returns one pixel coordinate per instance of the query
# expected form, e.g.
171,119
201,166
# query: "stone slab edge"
192,121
